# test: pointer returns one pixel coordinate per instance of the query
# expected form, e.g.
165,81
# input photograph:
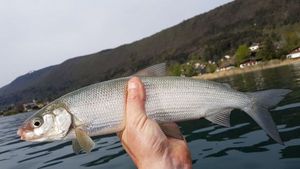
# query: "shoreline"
211,76
235,71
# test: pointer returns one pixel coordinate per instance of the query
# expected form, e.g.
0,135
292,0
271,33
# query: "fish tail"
258,110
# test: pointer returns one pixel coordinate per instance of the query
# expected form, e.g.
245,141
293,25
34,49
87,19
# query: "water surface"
244,145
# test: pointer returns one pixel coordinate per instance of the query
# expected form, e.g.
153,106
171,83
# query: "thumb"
135,107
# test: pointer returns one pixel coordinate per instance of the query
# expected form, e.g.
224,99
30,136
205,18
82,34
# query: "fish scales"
102,105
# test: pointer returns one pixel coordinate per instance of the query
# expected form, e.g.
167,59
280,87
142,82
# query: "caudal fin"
258,110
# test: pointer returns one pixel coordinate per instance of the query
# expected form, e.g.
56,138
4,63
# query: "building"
30,106
248,63
228,67
254,47
227,56
294,54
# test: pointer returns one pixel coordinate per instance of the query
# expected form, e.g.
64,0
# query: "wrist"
178,160
167,160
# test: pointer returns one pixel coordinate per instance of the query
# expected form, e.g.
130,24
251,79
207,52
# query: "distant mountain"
210,36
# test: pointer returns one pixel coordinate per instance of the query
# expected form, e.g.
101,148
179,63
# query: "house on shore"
226,64
254,47
34,105
294,54
224,68
249,62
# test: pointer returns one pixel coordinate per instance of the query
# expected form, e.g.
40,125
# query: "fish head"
50,123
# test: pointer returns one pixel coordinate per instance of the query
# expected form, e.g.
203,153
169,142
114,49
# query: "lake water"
244,145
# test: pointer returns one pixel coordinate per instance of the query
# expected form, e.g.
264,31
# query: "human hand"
143,139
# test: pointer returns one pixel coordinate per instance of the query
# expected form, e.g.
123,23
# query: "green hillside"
208,36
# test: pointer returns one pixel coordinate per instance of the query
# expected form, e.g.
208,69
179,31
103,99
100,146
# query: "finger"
135,107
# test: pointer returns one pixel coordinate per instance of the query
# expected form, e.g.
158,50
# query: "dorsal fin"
154,70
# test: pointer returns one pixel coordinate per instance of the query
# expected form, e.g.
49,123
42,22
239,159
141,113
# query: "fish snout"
24,131
20,133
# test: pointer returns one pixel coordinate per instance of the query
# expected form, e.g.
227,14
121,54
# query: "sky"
38,33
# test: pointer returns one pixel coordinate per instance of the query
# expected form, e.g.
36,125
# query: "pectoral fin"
219,116
171,130
76,147
83,140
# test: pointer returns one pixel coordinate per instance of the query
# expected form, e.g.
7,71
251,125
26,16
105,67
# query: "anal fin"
219,116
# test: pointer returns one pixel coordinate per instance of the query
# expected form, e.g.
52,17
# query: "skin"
143,139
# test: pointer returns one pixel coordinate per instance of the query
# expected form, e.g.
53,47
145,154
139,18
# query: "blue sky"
38,33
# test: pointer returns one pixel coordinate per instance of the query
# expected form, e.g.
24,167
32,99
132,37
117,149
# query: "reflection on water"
282,77
244,145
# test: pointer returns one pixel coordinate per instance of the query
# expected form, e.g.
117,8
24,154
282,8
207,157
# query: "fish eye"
37,122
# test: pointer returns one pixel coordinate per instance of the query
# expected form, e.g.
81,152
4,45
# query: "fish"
98,109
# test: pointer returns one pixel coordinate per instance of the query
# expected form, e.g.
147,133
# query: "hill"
207,36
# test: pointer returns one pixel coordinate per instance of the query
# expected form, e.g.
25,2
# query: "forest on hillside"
205,38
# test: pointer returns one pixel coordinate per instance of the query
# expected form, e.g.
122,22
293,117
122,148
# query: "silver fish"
98,109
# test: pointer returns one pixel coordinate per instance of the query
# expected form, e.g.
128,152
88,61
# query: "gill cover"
62,120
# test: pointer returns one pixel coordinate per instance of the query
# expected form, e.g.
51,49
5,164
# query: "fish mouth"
21,133
25,132
27,135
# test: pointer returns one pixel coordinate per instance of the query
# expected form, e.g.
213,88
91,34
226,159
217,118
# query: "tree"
188,70
292,41
208,53
211,68
175,70
194,56
242,53
267,51
20,108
